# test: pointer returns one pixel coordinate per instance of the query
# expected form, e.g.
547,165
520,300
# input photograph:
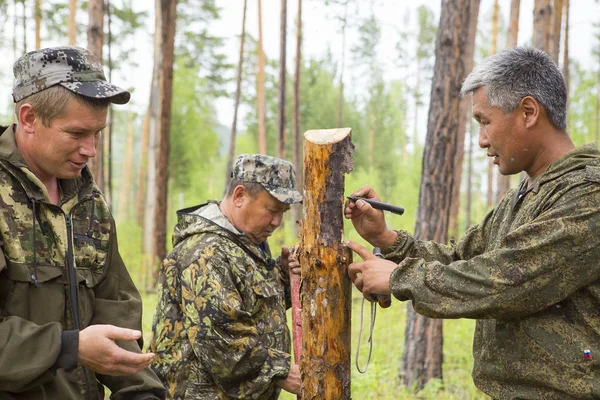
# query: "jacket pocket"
40,302
269,308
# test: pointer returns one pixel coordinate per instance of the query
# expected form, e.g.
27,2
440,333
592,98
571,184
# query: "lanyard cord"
370,340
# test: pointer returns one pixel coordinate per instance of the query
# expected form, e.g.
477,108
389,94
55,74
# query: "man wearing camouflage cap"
65,294
220,326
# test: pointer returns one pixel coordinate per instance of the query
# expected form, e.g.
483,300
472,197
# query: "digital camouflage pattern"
40,243
74,68
277,176
220,330
530,275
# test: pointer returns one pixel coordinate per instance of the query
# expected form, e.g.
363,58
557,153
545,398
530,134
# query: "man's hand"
369,222
289,261
99,352
292,382
372,275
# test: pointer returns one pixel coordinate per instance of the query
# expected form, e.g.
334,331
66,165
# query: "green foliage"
581,118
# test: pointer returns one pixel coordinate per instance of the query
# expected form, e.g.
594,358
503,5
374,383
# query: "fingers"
116,333
285,252
360,250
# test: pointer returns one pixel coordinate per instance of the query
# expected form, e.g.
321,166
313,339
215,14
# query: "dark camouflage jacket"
220,330
530,275
52,255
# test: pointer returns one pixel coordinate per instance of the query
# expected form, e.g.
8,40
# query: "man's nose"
483,139
88,145
276,221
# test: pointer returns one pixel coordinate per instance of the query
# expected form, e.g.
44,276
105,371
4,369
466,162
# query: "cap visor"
99,90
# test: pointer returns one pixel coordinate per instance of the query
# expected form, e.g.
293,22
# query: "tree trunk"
492,172
542,22
566,49
95,40
141,187
25,48
108,187
150,209
72,27
260,98
325,290
556,29
38,23
124,195
238,90
511,41
422,357
462,125
296,125
343,58
469,204
280,142
167,42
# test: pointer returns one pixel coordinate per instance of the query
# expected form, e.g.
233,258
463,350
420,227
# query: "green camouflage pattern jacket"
60,272
530,275
220,329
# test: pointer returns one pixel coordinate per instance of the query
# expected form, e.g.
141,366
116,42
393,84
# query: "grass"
381,379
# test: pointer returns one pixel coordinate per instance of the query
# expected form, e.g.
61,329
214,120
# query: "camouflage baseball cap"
276,175
74,68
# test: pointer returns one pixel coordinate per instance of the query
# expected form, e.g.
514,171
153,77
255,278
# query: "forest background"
367,65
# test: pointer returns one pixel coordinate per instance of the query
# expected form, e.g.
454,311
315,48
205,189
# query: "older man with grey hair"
529,273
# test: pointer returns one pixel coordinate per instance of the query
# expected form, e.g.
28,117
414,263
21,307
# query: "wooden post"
326,288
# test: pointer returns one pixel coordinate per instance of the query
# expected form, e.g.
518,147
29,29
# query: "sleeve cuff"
69,349
397,245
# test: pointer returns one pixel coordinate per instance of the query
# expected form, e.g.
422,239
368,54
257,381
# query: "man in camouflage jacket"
65,293
220,330
530,272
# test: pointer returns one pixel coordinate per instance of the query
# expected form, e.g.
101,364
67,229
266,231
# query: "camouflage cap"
74,68
277,176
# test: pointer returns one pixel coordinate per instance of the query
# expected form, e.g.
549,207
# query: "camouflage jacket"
51,256
220,330
530,275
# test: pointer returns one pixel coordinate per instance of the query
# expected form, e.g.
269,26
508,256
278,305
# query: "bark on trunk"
38,22
280,142
566,49
260,98
236,105
462,125
422,358
72,27
542,22
326,288
297,156
168,20
556,29
95,40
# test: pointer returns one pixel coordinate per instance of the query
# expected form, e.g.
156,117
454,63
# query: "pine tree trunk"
343,57
236,105
422,357
95,40
167,43
566,49
492,172
542,22
72,27
260,98
280,142
296,125
556,29
469,204
150,208
511,41
141,186
125,195
38,23
462,125
325,290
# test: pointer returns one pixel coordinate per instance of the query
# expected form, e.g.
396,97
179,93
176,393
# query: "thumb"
285,252
117,333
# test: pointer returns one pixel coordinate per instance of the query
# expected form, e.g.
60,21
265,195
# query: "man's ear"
531,111
238,196
27,117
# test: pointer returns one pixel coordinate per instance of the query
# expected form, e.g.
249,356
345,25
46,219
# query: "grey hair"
253,188
518,72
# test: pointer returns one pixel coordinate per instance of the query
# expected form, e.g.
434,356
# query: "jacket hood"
577,159
204,218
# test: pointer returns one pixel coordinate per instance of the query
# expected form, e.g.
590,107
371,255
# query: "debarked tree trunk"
326,288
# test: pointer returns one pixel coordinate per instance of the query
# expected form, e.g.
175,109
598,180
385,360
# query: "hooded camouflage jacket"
530,275
220,330
51,256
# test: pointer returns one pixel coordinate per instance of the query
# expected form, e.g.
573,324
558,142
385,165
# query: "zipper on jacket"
73,288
